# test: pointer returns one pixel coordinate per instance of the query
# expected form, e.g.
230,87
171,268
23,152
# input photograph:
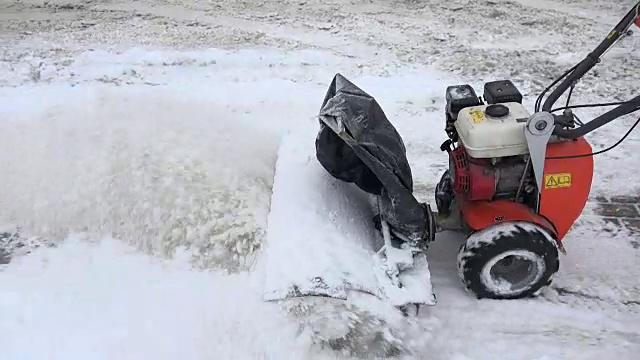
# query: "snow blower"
516,184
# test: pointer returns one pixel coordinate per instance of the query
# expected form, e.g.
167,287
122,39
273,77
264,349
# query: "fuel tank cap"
496,111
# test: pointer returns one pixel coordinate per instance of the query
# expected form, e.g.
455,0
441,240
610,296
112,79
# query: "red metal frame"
483,186
482,214
567,183
564,194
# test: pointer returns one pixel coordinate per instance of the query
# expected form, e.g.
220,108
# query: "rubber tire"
475,253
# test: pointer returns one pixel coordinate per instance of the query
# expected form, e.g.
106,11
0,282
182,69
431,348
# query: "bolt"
541,125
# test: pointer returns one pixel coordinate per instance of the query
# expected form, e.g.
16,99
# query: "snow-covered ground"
139,141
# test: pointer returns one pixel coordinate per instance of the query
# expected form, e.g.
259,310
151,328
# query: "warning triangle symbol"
552,181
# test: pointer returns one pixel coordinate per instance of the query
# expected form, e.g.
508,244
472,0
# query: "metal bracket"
537,133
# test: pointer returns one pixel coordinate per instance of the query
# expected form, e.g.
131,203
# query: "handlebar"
593,58
626,108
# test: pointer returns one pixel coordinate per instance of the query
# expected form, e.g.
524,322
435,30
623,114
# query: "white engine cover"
484,136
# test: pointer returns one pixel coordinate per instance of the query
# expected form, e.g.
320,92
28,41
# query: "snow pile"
361,327
157,167
14,243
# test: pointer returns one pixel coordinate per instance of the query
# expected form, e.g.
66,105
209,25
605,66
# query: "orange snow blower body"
566,188
568,175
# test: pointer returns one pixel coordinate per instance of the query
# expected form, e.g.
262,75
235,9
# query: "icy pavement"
528,41
108,133
623,212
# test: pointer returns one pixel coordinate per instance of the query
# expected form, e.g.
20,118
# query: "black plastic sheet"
358,144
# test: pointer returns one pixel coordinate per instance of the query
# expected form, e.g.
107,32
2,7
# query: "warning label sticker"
554,181
477,116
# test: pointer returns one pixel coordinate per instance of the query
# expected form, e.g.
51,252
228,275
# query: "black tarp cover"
369,152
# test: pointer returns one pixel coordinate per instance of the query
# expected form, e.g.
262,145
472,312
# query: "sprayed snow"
159,166
142,164
14,243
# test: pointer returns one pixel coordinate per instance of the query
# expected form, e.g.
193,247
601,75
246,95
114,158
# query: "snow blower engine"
515,185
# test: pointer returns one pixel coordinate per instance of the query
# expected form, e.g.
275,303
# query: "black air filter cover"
502,91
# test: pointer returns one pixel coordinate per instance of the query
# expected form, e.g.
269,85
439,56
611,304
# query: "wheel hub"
513,271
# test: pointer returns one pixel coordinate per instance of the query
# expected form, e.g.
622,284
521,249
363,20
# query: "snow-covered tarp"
321,240
358,144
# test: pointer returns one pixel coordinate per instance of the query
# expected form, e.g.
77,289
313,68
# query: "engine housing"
489,179
490,152
493,131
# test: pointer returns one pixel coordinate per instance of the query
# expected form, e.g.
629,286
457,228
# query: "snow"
321,240
504,287
489,235
135,161
140,138
316,242
104,300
